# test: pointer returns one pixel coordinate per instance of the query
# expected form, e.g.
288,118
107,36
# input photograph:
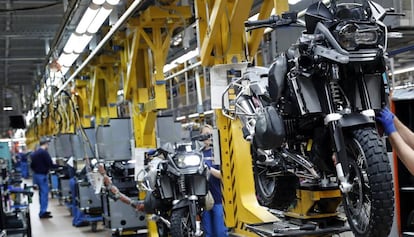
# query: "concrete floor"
61,223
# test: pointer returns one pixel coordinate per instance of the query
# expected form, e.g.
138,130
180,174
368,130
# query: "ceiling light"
72,42
7,108
195,115
82,43
293,2
113,2
100,18
180,118
98,2
67,59
87,18
402,70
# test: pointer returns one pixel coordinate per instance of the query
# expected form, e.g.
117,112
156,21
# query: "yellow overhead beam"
256,36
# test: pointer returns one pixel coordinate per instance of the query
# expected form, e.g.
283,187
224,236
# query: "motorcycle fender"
355,119
182,203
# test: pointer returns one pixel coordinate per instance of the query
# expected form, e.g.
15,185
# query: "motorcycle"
310,117
175,182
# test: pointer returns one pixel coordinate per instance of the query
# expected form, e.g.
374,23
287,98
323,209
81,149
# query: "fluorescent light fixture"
180,60
208,112
293,2
67,59
72,42
180,118
113,2
100,18
402,70
98,2
7,108
195,115
87,18
82,43
64,70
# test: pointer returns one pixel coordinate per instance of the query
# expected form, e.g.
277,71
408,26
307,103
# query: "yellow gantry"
222,40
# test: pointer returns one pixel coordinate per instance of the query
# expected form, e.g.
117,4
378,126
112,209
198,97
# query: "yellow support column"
81,99
216,18
142,62
103,91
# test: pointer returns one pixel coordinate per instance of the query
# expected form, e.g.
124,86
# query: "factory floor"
61,223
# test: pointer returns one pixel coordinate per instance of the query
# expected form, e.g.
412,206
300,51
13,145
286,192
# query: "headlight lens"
350,36
185,160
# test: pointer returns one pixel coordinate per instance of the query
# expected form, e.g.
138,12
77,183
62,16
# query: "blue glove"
386,117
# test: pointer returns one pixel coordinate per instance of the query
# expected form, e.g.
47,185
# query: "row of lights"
93,18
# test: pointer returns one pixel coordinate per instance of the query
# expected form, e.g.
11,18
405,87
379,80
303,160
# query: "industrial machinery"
176,185
310,118
14,203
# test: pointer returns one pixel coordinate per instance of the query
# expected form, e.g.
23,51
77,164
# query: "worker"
212,220
41,164
400,137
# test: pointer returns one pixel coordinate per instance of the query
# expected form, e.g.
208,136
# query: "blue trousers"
42,183
213,222
25,170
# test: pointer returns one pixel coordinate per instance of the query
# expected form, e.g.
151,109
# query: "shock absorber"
336,94
181,184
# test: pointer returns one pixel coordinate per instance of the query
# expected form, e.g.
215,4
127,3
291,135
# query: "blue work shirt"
214,184
41,161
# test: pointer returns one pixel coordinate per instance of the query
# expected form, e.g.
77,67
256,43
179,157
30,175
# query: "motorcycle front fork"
340,157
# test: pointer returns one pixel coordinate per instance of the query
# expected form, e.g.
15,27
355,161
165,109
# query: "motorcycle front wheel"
369,206
181,223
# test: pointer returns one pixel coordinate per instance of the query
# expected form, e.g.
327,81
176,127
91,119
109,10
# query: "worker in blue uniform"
41,165
212,220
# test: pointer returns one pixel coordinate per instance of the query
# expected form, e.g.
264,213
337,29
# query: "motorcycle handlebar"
274,21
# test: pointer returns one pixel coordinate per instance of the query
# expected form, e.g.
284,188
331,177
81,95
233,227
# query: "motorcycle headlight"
188,160
350,36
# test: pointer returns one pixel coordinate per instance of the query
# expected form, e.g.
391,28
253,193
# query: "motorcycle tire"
274,192
369,206
180,222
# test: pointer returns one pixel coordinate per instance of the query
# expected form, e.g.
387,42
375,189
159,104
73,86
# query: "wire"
30,8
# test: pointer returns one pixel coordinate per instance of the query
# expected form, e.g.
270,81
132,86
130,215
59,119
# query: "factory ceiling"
32,32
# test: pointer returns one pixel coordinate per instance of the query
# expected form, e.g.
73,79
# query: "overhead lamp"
82,43
7,108
180,118
195,115
67,59
100,18
402,70
180,60
87,18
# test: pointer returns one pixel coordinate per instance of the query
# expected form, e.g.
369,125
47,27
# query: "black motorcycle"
310,117
176,183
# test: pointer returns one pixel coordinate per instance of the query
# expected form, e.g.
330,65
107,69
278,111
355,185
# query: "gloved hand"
386,117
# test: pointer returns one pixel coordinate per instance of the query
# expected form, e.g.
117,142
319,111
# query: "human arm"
215,172
404,151
406,134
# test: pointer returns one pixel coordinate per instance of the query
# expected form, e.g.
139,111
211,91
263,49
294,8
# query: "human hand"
386,118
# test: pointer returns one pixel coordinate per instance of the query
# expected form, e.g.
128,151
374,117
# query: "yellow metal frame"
313,204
